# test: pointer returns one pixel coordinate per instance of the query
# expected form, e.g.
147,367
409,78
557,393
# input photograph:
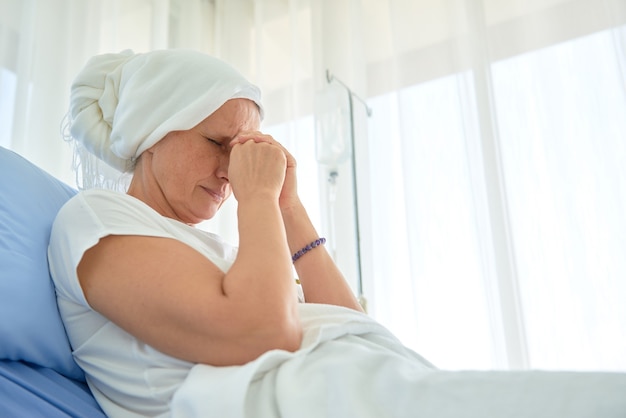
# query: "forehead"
235,115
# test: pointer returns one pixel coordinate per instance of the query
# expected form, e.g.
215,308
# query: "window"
562,124
559,122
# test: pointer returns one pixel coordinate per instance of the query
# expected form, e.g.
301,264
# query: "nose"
222,169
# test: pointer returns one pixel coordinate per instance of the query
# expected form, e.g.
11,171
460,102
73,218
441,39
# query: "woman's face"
187,171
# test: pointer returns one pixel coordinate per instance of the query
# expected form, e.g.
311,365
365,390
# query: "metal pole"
351,96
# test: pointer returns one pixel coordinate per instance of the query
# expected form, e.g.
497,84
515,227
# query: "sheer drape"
490,174
42,46
510,169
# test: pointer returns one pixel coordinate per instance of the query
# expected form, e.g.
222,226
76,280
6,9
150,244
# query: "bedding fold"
351,366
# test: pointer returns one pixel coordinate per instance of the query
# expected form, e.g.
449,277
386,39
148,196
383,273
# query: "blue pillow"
31,329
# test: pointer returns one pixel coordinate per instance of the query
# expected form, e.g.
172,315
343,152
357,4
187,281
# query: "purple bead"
308,248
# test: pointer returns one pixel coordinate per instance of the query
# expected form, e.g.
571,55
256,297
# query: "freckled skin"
187,174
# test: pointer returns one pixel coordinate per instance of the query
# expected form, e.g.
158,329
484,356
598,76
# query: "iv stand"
351,96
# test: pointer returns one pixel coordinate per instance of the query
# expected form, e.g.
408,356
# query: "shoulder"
94,214
107,210
103,200
92,201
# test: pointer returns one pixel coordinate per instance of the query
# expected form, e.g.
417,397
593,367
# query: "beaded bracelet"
307,248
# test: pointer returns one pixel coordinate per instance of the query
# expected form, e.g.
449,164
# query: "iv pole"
351,96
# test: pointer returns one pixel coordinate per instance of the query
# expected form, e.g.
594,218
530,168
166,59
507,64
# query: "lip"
217,195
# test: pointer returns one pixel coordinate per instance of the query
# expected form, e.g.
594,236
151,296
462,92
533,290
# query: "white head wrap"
122,104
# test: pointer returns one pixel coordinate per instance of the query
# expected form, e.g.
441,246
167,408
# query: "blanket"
351,366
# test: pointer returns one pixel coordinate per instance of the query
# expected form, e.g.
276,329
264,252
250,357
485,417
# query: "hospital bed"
38,376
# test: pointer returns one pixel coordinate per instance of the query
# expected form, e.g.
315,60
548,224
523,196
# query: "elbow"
239,346
251,331
281,334
258,334
291,335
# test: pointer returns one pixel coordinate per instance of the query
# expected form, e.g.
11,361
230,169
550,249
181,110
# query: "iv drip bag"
332,125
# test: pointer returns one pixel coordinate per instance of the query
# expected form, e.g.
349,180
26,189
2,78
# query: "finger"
254,136
258,137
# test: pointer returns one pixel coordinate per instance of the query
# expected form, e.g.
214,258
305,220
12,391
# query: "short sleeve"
94,214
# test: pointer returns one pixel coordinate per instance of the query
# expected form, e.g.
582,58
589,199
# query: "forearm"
261,274
322,282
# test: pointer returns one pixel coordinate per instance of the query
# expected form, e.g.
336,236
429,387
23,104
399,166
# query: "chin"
208,214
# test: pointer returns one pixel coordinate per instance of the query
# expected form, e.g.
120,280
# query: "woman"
150,272
166,319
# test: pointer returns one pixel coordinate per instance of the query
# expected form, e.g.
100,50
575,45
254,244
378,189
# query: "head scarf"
122,104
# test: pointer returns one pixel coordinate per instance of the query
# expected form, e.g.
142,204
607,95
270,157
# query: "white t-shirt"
127,377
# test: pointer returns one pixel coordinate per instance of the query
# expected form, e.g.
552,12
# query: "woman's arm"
322,282
173,298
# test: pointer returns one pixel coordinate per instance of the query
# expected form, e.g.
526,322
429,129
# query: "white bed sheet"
351,366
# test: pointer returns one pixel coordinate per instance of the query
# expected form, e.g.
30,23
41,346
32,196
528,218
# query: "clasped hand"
261,166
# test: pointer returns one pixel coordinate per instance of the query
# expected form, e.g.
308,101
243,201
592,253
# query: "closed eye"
219,144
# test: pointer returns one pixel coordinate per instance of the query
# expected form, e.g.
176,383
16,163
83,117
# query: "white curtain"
490,183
